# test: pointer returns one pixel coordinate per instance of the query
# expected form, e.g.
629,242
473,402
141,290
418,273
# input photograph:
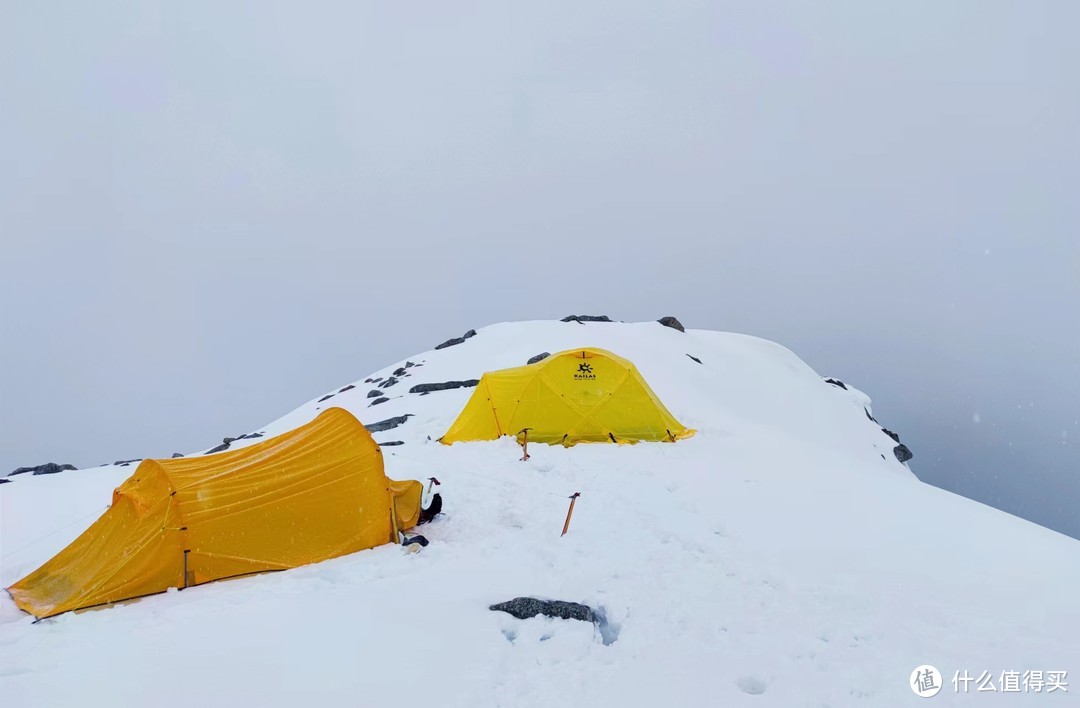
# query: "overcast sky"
212,212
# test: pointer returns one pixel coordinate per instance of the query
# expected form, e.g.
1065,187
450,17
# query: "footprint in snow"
751,685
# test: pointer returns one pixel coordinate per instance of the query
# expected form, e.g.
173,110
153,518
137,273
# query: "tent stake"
570,512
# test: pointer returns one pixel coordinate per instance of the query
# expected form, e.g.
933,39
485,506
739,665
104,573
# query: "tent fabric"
313,493
579,395
407,496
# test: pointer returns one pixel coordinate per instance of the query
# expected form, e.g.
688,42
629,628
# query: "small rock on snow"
388,424
457,340
526,607
670,321
444,386
586,318
47,468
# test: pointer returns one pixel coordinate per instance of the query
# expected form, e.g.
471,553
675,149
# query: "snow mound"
782,556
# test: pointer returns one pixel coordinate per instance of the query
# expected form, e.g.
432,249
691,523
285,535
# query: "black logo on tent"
584,372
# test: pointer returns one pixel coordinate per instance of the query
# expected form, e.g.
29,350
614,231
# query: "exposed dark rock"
891,434
444,386
47,468
327,396
457,340
539,357
377,401
694,358
374,393
400,371
217,448
409,365
526,607
5,481
248,436
836,382
377,379
391,443
586,318
229,441
670,321
389,382
867,411
125,463
902,452
451,343
177,454
388,424
346,388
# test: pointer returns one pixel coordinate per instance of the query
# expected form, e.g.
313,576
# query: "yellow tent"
313,493
580,395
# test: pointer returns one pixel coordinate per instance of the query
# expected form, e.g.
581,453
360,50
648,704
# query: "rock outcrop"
526,607
47,468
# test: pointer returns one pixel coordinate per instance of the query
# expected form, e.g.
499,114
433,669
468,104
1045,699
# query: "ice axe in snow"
525,443
570,512
431,483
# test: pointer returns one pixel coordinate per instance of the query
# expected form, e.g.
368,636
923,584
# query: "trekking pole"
525,444
569,513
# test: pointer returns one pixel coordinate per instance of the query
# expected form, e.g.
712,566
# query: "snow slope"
780,557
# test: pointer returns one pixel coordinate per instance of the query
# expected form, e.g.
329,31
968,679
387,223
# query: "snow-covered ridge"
783,555
710,380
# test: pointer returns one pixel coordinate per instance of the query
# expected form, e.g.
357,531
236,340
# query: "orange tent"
313,493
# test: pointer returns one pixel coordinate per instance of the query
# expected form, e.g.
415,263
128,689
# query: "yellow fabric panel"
310,494
580,395
126,553
408,500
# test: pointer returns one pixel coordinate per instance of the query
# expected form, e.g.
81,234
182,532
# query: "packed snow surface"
780,557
